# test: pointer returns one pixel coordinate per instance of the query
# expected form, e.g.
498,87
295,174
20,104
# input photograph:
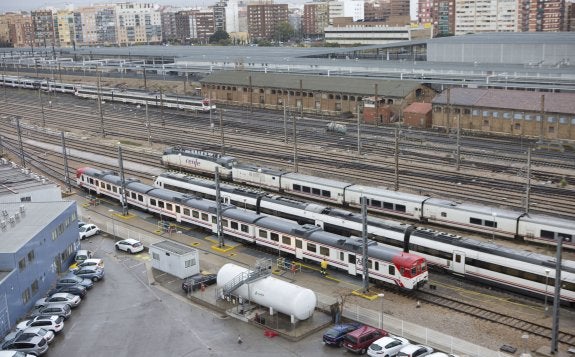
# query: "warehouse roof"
418,108
529,38
15,180
509,99
350,85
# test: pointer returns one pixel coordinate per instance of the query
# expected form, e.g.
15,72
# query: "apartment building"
232,17
346,8
45,28
264,18
138,23
541,15
202,26
440,13
168,18
474,16
315,18
95,25
66,28
16,29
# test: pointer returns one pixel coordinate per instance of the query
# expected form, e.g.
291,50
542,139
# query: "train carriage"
386,201
257,176
543,228
472,217
198,160
314,187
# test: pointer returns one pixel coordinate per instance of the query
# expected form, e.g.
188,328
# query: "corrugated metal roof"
509,99
174,247
349,85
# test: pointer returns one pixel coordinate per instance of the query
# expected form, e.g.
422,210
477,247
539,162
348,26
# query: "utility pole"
556,298
285,120
100,109
145,80
358,133
3,81
251,94
448,125
123,193
60,72
295,168
364,245
396,154
42,107
222,132
65,155
528,179
149,125
22,160
542,118
219,229
162,107
458,149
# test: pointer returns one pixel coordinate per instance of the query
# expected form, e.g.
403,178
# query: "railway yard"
492,172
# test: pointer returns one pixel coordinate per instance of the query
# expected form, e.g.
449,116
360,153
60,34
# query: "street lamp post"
547,271
381,295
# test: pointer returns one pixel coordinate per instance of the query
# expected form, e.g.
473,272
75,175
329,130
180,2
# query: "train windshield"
231,163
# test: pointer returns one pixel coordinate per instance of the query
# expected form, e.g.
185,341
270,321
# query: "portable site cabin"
175,259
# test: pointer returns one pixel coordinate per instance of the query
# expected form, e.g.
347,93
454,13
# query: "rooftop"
14,180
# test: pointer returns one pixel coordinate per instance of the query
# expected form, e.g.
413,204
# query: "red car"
359,340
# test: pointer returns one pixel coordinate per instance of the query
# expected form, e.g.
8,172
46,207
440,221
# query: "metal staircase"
262,269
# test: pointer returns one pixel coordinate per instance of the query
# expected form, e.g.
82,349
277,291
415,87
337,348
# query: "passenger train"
385,264
461,215
489,263
110,94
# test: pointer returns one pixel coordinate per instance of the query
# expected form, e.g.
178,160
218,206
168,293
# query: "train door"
298,249
351,266
458,262
226,199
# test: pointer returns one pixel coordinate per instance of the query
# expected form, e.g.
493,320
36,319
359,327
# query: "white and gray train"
385,263
461,215
489,263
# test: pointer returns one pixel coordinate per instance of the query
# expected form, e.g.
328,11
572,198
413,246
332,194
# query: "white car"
130,245
53,323
86,263
415,351
64,298
387,346
88,230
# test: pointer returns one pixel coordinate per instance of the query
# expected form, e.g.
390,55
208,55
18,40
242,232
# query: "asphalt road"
125,316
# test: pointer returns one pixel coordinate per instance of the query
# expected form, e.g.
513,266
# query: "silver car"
35,345
56,309
29,332
63,298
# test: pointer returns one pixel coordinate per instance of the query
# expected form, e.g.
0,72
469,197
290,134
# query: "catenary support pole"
22,159
222,132
123,181
528,181
148,125
556,298
100,108
364,245
358,133
458,148
220,233
396,155
295,164
65,156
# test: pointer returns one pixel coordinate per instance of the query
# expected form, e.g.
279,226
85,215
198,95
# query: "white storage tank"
174,258
278,295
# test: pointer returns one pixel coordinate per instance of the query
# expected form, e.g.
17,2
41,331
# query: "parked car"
442,354
195,282
34,345
65,298
334,336
359,340
82,255
387,346
53,323
30,331
13,353
415,351
60,309
72,289
90,272
72,279
88,230
130,245
88,262
81,223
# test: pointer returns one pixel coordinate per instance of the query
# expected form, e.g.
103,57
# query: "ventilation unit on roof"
17,216
12,219
22,208
5,213
3,224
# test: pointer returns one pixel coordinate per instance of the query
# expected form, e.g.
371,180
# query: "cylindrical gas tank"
280,295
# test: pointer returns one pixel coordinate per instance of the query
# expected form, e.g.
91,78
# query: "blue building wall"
33,269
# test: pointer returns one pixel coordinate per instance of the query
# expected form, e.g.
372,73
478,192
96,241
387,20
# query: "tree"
220,36
284,31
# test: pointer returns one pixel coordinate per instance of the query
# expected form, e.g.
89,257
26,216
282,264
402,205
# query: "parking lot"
123,315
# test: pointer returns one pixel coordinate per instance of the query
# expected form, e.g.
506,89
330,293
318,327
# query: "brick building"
315,18
418,115
519,113
317,94
264,18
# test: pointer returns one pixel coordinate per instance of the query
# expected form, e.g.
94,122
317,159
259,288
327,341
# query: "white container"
175,258
278,295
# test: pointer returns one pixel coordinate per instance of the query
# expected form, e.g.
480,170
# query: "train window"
565,237
298,243
341,256
475,221
391,269
186,211
369,264
225,223
325,193
161,204
324,251
402,271
547,234
492,224
311,247
375,203
91,180
387,205
102,184
234,225
443,214
351,259
316,191
169,207
153,202
413,271
263,234
204,217
400,208
305,189
376,265
214,219
108,187
178,209
195,214
133,195
296,187
114,189
286,240
245,228
275,237
457,258
140,198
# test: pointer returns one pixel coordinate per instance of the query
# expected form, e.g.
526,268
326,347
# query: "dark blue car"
334,336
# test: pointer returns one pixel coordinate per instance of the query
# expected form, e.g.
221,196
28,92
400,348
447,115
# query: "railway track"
566,338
